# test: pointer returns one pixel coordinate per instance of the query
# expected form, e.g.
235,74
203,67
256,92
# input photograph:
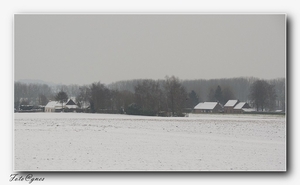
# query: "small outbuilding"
208,107
242,107
228,107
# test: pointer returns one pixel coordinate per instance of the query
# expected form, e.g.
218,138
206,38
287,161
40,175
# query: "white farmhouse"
55,106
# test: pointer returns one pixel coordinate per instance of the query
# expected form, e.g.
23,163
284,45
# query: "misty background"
146,64
82,49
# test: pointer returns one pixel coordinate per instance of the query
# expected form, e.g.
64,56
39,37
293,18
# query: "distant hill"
35,81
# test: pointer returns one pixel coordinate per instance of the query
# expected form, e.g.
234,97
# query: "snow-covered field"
106,142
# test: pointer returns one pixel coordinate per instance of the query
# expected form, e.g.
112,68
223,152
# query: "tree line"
39,94
150,97
170,96
229,88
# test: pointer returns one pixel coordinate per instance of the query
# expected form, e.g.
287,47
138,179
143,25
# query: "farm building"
55,106
208,107
242,107
229,106
235,106
71,105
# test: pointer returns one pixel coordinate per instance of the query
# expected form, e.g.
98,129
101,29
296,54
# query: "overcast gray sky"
82,49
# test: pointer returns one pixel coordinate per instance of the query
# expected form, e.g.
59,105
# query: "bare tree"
148,96
271,102
43,99
262,95
176,95
211,95
83,96
124,99
99,98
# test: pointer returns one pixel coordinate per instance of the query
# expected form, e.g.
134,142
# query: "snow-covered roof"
206,105
239,105
231,103
242,105
54,104
70,102
57,105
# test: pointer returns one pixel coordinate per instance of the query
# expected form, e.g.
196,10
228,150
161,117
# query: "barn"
242,107
71,106
229,106
208,107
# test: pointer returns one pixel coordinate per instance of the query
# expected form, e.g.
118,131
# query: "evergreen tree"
176,95
193,99
219,95
61,97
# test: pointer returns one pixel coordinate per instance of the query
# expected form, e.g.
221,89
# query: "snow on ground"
107,142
